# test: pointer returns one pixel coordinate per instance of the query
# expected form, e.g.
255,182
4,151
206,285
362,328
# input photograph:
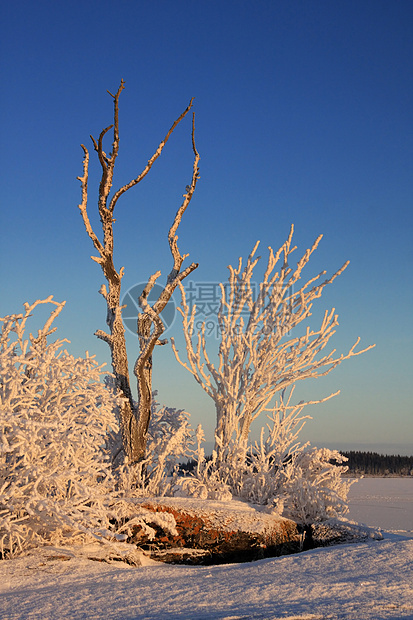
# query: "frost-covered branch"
258,354
58,431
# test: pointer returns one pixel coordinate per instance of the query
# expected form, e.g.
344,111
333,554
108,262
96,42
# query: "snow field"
369,581
383,502
366,581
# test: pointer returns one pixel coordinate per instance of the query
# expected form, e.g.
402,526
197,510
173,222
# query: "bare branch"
150,341
108,164
103,158
143,296
150,163
172,236
175,276
83,205
104,336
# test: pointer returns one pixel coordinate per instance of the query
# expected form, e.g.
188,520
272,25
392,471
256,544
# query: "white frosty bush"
304,484
207,481
314,487
277,471
57,421
266,346
59,432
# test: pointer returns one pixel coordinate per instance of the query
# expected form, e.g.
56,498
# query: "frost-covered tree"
277,471
57,426
134,418
261,351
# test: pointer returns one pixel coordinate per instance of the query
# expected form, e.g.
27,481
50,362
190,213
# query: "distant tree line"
378,464
370,463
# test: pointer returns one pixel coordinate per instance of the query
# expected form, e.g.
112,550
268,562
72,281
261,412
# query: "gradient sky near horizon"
303,115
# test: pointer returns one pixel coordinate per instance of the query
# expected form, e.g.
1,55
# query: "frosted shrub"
282,473
208,481
314,487
257,473
57,421
266,346
304,485
277,471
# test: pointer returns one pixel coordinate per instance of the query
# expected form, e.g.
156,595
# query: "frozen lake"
383,502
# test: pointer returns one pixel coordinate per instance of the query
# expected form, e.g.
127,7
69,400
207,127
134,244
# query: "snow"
372,580
365,581
383,502
231,515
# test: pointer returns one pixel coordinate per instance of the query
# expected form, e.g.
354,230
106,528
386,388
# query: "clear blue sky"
303,115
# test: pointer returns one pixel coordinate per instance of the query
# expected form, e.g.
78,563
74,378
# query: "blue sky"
303,115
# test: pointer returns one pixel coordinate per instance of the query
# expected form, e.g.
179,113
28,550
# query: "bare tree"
134,418
258,356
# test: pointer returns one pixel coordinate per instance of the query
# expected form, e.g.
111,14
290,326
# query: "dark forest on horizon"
359,463
374,464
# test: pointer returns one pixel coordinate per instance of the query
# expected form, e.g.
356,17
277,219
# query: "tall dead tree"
134,418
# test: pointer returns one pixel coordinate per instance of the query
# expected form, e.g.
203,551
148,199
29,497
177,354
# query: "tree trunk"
134,420
144,379
128,425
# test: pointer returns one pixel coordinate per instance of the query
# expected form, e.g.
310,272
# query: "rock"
214,532
335,532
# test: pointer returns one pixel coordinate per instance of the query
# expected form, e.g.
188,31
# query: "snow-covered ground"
383,502
363,581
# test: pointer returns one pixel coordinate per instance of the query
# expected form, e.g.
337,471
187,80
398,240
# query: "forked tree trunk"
134,419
